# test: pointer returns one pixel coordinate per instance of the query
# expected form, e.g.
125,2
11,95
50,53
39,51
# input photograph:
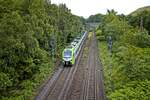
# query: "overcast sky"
86,8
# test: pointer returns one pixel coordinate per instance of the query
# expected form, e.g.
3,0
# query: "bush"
127,70
133,91
98,33
5,81
139,39
135,62
101,38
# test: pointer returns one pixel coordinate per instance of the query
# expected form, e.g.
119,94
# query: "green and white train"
70,53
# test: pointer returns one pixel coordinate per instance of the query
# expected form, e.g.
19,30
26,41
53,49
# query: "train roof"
78,38
69,47
75,42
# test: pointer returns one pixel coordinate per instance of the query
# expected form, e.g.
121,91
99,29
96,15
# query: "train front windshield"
67,54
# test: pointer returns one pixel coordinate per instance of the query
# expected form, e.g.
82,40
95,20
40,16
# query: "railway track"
83,81
93,85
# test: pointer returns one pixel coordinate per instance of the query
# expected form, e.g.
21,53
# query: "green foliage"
141,14
133,91
126,71
135,62
98,33
4,81
139,39
27,30
95,18
128,78
100,36
114,26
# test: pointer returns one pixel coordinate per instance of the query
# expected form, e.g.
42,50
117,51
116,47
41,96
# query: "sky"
86,8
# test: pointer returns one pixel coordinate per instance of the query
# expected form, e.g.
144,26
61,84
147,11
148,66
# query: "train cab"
68,56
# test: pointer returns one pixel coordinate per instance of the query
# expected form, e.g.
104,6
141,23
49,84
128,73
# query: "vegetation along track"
83,81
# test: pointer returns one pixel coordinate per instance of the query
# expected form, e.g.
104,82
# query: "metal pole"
141,23
110,61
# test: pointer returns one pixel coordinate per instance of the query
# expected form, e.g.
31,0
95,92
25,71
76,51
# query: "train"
71,52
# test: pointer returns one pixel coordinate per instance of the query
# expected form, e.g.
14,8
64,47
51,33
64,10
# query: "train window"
68,53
